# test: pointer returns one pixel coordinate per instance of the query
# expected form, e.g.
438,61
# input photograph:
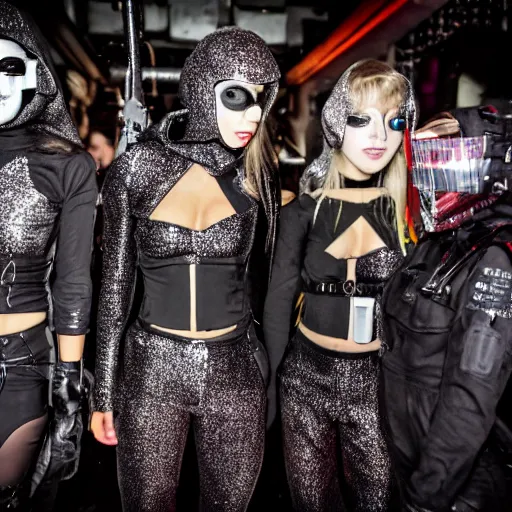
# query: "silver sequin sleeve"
118,281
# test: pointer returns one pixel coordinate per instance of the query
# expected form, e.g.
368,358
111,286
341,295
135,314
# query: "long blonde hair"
258,160
369,83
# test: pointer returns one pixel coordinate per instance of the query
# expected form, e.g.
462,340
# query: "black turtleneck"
372,181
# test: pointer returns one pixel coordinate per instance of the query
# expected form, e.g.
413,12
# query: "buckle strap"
15,273
345,288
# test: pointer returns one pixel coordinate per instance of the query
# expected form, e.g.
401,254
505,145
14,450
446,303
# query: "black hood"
47,111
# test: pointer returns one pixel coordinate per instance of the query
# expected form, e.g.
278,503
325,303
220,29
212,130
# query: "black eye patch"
397,124
237,98
358,121
12,66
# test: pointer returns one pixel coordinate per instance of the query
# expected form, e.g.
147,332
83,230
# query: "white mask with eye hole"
372,138
239,107
17,74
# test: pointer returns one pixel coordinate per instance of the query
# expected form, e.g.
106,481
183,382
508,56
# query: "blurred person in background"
101,147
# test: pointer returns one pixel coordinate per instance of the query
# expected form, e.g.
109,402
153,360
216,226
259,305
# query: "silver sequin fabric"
140,178
327,398
134,186
170,385
378,267
47,111
27,217
230,237
213,156
334,119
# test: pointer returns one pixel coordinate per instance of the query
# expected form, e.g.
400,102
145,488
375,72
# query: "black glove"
67,388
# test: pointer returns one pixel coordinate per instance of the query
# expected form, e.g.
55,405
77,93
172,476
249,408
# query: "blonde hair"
259,160
374,82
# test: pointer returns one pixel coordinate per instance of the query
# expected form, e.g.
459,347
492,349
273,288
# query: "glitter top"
48,202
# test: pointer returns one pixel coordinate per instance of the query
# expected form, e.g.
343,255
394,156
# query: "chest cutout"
196,202
356,241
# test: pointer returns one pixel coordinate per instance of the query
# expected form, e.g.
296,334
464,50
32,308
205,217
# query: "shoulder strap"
446,271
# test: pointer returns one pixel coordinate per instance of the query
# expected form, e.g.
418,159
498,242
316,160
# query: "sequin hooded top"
140,179
302,264
48,189
336,110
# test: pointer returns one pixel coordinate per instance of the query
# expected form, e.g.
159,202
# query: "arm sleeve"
283,290
72,286
118,281
477,367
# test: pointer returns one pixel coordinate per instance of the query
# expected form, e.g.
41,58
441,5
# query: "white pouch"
362,308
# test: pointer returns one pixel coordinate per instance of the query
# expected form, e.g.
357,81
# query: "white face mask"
239,111
371,139
17,73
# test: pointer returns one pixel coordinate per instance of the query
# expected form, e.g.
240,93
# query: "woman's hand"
102,426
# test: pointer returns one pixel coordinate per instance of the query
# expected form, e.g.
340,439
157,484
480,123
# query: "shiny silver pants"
170,383
334,448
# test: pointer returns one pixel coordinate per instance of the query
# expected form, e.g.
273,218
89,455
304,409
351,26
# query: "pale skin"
359,238
195,202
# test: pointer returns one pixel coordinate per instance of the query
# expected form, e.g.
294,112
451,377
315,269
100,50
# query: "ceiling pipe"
74,51
160,74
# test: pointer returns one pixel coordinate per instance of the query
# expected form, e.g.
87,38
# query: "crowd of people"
369,315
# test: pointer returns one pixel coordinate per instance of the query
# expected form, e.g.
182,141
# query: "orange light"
364,19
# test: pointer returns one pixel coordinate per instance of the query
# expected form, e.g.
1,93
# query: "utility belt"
25,270
362,297
345,288
33,272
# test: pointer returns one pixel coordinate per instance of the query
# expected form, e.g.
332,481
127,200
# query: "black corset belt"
345,288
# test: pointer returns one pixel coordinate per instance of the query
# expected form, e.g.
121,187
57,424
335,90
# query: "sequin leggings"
329,400
171,383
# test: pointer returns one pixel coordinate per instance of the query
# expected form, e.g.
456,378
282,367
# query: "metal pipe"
133,85
160,74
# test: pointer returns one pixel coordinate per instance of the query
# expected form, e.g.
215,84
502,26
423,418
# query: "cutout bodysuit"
303,265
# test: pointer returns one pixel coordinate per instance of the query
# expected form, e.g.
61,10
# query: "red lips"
244,137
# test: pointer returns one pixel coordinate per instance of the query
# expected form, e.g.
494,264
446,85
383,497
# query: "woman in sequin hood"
183,205
48,190
338,244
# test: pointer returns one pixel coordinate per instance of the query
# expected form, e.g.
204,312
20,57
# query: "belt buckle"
349,287
3,281
9,284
